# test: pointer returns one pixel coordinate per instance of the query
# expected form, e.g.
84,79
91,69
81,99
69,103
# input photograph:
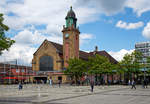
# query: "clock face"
66,35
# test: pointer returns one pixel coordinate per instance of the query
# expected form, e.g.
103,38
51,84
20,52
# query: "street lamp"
144,70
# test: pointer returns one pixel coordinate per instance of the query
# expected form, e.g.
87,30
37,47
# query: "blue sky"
111,38
114,26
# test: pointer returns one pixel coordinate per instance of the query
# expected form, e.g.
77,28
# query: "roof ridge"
55,42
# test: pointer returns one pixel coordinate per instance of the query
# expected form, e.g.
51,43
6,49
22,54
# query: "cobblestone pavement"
45,94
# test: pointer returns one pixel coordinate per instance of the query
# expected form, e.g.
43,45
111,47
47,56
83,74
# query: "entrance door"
41,79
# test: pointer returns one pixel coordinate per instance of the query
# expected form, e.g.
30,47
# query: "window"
17,70
46,63
22,70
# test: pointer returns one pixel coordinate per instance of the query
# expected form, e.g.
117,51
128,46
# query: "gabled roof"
59,47
104,53
82,54
40,46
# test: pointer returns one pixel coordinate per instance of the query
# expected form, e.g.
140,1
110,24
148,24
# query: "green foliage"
76,68
131,62
99,65
120,68
5,42
147,65
95,65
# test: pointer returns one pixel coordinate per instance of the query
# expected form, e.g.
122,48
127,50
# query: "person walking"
145,83
133,84
50,82
59,83
129,82
20,86
92,85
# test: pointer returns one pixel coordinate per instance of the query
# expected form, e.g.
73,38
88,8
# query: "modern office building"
144,48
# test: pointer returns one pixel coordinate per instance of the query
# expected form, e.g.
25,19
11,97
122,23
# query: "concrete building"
144,48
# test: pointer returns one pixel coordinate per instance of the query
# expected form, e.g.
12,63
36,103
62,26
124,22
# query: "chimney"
96,48
95,51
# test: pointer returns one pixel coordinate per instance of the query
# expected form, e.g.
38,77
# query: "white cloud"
85,38
111,7
51,14
120,54
18,51
139,6
14,22
129,26
104,6
23,37
53,29
48,12
26,41
35,38
25,44
86,14
146,31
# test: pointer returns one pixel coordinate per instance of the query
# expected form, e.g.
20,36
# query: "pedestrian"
50,82
92,85
20,86
133,84
59,83
145,83
129,82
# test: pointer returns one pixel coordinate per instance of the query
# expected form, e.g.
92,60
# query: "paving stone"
66,94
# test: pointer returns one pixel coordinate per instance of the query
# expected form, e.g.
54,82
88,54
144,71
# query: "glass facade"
144,48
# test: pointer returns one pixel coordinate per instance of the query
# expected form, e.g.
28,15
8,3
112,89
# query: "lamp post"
144,70
9,72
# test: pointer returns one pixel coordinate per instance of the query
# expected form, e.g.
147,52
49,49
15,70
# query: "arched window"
46,63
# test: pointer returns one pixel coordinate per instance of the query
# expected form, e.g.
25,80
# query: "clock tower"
70,37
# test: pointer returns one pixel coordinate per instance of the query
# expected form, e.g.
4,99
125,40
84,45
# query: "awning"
19,78
9,78
58,73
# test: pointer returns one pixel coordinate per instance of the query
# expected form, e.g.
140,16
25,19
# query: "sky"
112,25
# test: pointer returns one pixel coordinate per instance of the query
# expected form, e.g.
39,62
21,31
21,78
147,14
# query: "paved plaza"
66,94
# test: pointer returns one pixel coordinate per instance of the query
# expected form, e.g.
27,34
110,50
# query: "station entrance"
40,79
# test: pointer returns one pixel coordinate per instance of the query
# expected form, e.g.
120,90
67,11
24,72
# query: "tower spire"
70,7
71,18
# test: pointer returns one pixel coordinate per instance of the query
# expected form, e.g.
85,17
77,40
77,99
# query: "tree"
131,63
120,70
76,68
148,64
99,65
5,42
